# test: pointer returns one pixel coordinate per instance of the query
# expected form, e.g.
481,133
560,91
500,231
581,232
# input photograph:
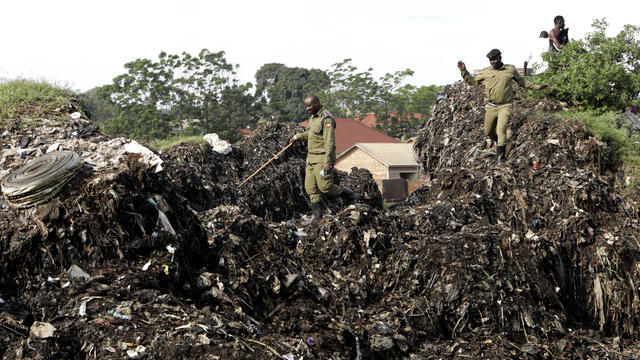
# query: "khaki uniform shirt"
320,137
498,83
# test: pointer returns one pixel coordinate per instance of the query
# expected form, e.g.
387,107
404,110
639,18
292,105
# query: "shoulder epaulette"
327,115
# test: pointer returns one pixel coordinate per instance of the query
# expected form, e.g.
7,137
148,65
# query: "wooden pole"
265,164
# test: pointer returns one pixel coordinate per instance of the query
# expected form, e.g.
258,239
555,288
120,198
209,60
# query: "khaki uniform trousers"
496,119
316,184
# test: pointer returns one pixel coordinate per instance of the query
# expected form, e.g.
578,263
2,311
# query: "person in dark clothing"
559,35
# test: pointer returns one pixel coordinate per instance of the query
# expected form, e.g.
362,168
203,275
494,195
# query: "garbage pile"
209,179
124,232
534,259
539,246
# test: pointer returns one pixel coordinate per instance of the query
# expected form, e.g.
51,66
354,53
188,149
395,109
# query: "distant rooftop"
391,155
350,132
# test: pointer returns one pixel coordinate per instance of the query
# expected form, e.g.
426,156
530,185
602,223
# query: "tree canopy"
597,73
282,90
156,98
185,95
398,107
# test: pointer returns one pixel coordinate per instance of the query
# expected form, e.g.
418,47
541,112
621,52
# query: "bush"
598,73
607,128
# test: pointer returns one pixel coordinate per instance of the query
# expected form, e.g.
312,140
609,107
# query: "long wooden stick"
265,164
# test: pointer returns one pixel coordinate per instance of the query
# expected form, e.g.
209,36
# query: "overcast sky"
84,43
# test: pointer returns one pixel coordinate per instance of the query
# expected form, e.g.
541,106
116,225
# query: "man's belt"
494,104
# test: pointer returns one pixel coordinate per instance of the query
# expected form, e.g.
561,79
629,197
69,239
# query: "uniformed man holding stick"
321,156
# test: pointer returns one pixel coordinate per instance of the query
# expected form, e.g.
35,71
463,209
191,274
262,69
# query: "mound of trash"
146,255
276,192
125,231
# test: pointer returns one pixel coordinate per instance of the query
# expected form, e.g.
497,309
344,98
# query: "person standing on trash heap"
321,156
498,80
558,36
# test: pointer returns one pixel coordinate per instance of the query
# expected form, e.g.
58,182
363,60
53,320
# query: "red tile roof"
350,132
370,118
243,132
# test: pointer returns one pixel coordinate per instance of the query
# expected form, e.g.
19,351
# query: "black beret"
493,54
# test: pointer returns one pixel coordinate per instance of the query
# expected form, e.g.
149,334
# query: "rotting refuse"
480,262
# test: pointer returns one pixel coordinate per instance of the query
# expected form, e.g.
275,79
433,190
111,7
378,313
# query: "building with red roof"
242,132
370,119
349,132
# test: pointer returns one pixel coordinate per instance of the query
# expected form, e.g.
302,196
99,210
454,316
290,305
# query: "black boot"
501,154
316,210
316,213
349,196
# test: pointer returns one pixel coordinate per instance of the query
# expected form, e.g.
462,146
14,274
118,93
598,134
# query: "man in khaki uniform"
498,80
321,156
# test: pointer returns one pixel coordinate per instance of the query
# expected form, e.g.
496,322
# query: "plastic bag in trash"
218,145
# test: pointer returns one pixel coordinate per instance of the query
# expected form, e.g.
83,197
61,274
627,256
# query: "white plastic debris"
76,273
218,145
166,224
42,330
82,310
147,156
76,115
531,235
146,266
109,154
53,147
138,352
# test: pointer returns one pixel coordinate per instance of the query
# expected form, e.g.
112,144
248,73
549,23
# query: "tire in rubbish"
40,179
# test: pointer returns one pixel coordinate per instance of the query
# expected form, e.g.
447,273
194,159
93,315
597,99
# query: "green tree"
423,97
138,121
178,89
97,103
281,90
352,93
405,109
398,108
235,111
598,73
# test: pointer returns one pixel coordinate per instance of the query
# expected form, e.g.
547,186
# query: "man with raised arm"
498,80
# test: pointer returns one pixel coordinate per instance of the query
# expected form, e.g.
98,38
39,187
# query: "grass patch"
611,128
162,144
30,98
